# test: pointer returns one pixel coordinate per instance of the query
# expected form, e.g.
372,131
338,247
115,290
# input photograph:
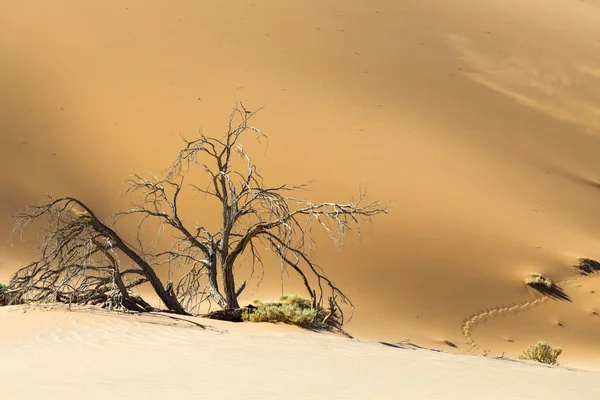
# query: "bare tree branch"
80,255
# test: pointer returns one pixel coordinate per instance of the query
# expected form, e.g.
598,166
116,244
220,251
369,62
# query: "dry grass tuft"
541,352
290,309
538,280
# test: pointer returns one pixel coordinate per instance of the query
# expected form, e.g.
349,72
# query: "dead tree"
82,257
79,262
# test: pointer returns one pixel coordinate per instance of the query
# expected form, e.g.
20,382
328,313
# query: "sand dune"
478,122
159,357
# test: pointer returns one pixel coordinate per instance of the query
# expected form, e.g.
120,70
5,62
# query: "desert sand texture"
479,122
58,354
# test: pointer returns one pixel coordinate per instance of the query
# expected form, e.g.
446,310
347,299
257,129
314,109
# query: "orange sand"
479,122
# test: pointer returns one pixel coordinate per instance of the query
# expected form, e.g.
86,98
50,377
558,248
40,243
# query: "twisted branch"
80,255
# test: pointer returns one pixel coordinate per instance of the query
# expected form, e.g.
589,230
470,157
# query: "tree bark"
170,302
229,286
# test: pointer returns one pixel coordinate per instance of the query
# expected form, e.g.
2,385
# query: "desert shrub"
2,287
295,300
587,266
538,280
541,352
290,309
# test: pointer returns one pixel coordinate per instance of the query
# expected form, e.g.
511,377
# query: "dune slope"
479,122
161,357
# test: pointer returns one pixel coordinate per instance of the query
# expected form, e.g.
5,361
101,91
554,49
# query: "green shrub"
539,280
2,287
290,309
541,352
296,301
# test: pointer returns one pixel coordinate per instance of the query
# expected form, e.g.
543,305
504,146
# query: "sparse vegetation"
2,287
587,266
541,352
538,280
290,309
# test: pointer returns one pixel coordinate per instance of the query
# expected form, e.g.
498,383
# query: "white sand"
62,355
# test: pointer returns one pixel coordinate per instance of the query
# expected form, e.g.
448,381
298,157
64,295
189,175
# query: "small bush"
541,352
296,301
587,266
290,309
2,287
539,280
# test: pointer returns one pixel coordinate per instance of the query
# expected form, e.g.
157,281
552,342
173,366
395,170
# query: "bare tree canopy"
84,260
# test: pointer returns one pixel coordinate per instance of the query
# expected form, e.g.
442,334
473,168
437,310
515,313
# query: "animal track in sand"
470,323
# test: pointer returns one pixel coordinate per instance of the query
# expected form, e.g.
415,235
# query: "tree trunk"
229,286
213,283
170,302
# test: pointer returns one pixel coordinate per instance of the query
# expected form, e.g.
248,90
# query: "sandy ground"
61,355
478,121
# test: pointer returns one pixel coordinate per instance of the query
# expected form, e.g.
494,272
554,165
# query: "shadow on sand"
587,266
554,292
